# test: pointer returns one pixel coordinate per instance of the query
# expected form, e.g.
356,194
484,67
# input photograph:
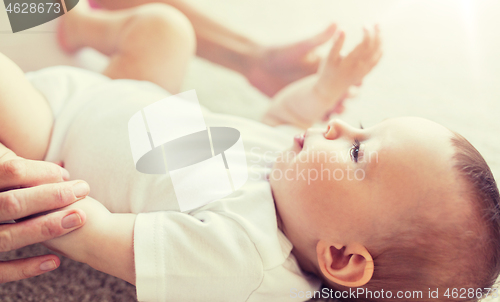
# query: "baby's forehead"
416,125
415,161
415,140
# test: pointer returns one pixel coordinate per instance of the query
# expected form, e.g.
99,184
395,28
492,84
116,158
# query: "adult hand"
276,67
30,187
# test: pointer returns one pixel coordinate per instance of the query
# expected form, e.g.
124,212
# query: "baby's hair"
486,198
464,254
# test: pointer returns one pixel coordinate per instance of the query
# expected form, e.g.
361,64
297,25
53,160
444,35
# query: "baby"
404,206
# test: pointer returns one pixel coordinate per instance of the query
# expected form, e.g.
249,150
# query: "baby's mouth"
299,139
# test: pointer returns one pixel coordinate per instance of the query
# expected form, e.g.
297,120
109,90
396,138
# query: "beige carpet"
71,282
441,62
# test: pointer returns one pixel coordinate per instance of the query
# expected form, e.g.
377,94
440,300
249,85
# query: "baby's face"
346,183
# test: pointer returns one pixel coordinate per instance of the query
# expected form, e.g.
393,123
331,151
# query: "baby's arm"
105,242
308,100
25,115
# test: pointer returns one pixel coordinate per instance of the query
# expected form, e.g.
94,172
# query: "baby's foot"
70,26
339,73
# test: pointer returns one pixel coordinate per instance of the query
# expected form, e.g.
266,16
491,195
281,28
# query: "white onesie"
228,250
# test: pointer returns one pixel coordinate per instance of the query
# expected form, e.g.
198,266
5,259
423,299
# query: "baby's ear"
348,265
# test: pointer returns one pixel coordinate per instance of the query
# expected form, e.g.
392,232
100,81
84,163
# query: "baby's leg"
153,42
25,116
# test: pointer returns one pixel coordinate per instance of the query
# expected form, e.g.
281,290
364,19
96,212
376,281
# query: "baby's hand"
339,73
75,245
105,242
308,100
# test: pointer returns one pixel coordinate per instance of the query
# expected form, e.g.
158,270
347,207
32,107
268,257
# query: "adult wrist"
253,57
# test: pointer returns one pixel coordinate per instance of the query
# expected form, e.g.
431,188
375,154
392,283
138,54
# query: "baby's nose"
337,128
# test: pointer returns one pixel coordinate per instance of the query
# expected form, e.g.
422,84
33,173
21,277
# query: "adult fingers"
17,173
307,45
39,229
26,268
21,203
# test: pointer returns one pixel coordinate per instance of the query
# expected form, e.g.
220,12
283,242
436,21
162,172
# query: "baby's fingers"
376,40
334,55
376,57
368,51
376,52
372,43
367,39
362,50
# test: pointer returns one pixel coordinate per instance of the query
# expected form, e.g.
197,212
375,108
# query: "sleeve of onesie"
202,257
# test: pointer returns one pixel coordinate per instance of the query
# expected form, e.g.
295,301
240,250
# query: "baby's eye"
354,151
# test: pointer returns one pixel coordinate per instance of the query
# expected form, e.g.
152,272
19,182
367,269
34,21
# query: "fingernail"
48,265
64,173
81,189
71,221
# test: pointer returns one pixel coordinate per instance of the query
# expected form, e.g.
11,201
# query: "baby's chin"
286,157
